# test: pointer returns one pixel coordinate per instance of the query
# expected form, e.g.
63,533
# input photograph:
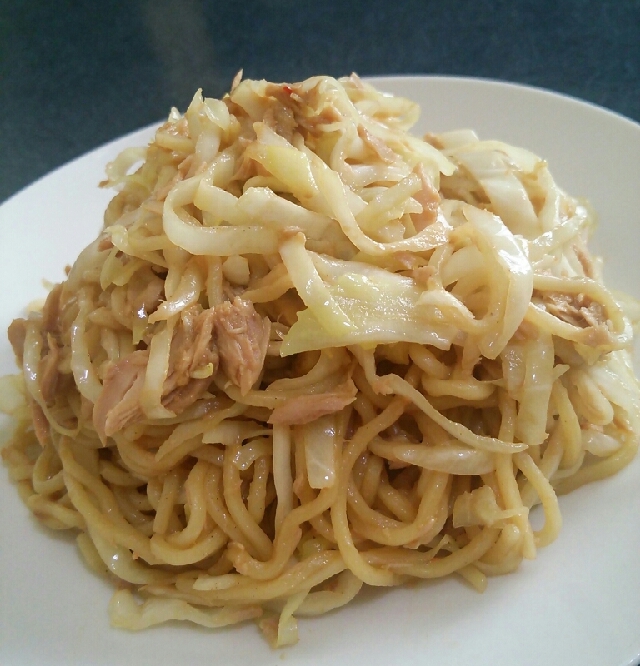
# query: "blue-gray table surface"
74,75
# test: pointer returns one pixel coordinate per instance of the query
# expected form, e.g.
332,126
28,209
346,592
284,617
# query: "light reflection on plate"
578,603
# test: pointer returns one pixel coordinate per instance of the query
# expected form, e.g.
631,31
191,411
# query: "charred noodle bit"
309,351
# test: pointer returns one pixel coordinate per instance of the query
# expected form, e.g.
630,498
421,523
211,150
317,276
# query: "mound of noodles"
309,351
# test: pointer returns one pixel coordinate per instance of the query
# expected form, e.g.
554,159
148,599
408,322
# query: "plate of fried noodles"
324,371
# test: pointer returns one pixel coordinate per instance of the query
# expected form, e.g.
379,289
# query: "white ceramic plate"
577,604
